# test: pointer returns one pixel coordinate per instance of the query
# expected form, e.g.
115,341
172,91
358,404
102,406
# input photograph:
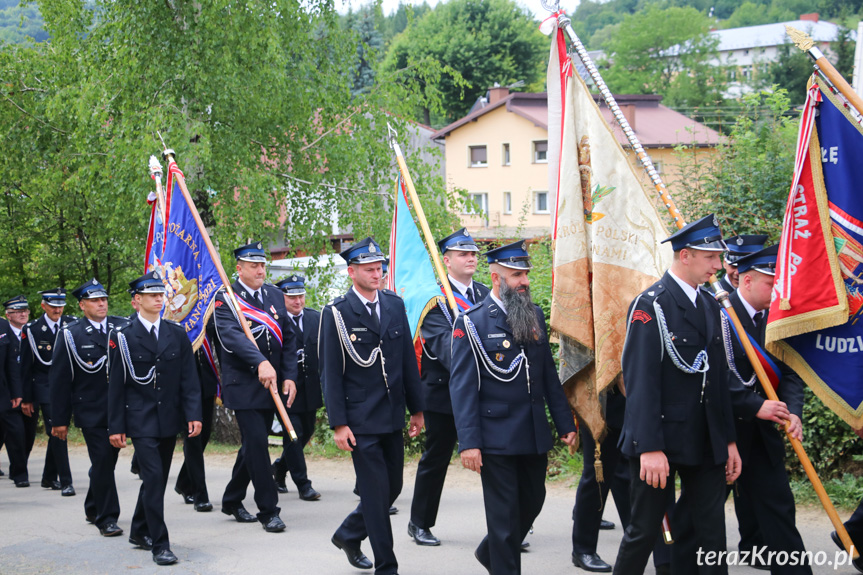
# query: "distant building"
499,154
748,51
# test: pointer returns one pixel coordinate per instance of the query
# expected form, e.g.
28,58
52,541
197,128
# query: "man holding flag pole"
460,258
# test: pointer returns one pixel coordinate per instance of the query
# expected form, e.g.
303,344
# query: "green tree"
791,71
747,14
481,41
266,131
669,52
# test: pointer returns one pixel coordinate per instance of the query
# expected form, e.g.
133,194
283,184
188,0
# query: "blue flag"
190,275
819,324
411,274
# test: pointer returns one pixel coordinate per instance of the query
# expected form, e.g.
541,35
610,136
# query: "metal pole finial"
391,136
155,167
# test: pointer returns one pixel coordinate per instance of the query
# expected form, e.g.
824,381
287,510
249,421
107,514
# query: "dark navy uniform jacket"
239,358
746,401
664,407
505,418
162,407
309,397
10,372
34,372
437,340
73,390
358,396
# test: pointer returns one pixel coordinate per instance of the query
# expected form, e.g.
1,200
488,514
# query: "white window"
540,152
505,155
478,156
477,204
540,203
507,202
658,167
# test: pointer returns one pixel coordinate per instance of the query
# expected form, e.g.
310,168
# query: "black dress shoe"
355,556
274,525
356,490
187,499
422,536
279,477
1,473
142,541
590,562
90,518
52,485
110,529
394,510
24,483
165,557
135,470
203,506
606,525
857,563
523,547
308,493
67,491
240,514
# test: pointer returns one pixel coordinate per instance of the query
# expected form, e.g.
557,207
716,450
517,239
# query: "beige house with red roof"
498,153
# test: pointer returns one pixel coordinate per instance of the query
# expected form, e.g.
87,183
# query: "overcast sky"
389,6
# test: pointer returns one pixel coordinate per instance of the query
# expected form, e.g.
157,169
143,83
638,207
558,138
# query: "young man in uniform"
678,418
153,395
460,258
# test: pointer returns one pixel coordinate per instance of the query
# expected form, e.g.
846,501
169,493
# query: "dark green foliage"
482,41
791,72
236,91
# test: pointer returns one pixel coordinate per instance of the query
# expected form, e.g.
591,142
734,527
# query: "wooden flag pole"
803,41
214,255
427,235
721,295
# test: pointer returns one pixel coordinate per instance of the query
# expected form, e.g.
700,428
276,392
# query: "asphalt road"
42,532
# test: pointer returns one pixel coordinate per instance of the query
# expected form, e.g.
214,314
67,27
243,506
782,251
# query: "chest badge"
505,344
498,357
44,328
48,347
353,337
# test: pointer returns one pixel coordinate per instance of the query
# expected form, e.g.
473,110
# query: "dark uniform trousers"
440,433
241,391
763,501
441,438
854,525
687,416
253,462
303,412
12,422
154,462
507,422
36,389
192,479
591,496
292,458
152,415
372,455
102,501
373,408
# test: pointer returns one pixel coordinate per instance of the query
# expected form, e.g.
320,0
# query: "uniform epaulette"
172,322
389,292
122,326
72,320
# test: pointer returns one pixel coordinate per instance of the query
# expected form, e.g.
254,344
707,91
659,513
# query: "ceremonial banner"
190,275
606,237
815,323
410,271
